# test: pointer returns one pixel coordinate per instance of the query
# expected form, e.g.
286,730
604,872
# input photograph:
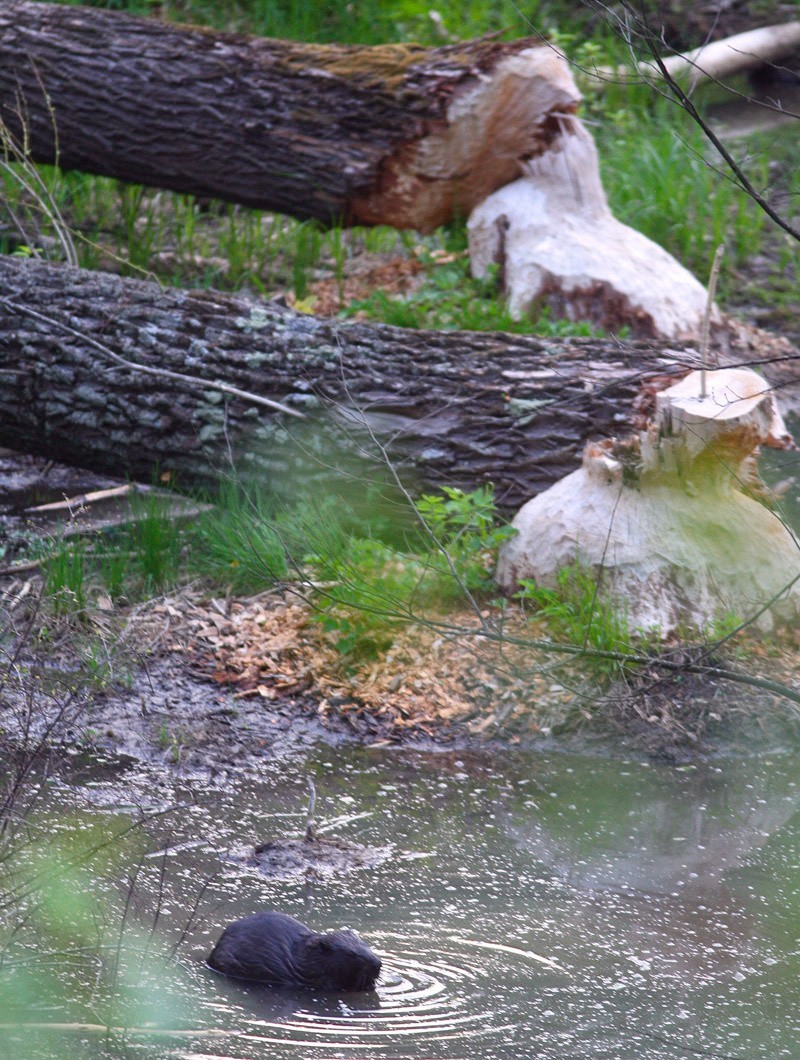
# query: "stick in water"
311,826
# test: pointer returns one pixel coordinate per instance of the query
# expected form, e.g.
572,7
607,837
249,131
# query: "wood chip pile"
426,683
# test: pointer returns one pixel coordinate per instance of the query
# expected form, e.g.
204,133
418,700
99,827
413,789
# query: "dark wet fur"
277,949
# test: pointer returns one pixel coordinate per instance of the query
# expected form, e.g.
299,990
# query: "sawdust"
397,276
431,680
445,679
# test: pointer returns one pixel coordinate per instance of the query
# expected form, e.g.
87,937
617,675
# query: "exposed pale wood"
717,60
556,243
395,134
665,521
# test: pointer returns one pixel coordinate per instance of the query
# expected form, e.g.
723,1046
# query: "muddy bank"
211,687
174,718
198,713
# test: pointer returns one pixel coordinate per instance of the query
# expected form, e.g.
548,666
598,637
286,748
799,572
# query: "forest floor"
215,683
207,682
211,685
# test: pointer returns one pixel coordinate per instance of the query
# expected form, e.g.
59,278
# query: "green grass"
242,544
128,564
578,611
451,299
662,177
367,22
373,574
372,588
155,537
65,579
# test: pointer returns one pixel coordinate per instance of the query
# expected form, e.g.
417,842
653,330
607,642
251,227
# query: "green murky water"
534,906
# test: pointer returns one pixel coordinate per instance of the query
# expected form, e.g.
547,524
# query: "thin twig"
87,498
712,290
745,183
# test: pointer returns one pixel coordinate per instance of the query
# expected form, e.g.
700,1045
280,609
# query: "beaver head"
339,960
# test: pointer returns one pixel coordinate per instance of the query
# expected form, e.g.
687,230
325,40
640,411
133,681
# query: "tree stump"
665,521
557,244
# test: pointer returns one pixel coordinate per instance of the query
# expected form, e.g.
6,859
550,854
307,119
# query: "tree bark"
457,408
395,134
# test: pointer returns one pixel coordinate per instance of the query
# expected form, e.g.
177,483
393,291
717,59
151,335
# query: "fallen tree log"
120,376
722,59
754,50
397,134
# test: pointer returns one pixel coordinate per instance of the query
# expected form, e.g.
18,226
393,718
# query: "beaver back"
277,949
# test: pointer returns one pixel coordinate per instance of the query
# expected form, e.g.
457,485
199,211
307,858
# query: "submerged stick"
311,825
102,1028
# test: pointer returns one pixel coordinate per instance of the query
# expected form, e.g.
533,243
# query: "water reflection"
415,999
565,906
667,833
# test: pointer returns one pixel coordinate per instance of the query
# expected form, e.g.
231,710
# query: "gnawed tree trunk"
462,408
666,521
556,243
396,134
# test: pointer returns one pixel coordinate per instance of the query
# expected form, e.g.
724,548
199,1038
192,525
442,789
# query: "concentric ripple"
440,999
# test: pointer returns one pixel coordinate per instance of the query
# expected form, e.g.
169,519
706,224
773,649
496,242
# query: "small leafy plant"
372,589
464,528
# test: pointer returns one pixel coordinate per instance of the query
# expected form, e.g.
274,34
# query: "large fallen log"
396,134
121,376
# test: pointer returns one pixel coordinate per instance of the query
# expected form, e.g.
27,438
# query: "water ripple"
439,999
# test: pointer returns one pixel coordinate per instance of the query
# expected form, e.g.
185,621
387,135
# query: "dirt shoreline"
213,688
262,685
193,711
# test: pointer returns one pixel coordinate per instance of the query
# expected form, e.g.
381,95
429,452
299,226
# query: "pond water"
534,906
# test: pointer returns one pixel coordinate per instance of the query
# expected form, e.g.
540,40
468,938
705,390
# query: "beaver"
277,949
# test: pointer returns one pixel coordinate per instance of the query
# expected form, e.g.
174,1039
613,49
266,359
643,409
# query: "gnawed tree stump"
397,134
462,408
557,244
664,520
